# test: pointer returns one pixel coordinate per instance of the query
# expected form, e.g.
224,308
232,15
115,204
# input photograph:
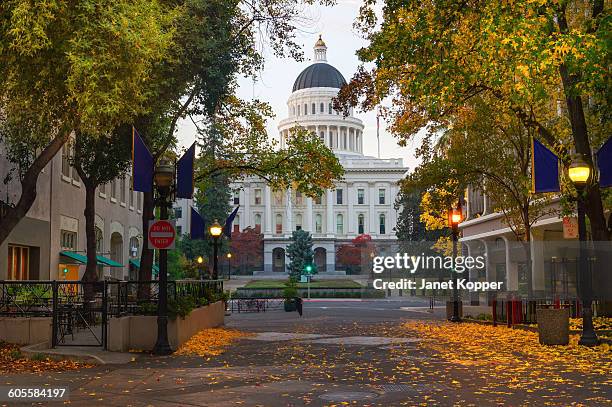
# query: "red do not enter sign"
162,234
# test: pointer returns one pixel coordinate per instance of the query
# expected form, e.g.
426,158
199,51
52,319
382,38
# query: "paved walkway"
334,355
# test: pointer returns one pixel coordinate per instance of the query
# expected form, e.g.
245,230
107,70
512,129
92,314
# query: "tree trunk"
28,187
575,110
91,271
146,257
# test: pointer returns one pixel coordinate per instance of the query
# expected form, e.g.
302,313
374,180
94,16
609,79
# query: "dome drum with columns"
361,203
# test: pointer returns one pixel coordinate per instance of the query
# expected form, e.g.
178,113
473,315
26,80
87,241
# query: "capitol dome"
319,75
310,106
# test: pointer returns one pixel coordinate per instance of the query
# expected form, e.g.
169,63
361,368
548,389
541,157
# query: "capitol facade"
361,203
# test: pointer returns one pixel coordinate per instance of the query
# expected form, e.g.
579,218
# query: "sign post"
162,234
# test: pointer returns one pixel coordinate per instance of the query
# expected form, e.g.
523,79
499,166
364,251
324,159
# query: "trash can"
553,326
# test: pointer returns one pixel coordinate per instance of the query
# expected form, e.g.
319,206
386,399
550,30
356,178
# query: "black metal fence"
255,304
80,310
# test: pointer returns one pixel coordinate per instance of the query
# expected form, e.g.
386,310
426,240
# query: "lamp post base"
162,346
588,339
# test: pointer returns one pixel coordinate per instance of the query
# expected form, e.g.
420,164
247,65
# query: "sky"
274,83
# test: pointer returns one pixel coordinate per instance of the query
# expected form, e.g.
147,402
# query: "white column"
327,136
511,268
308,221
247,206
289,213
537,260
268,214
350,227
372,223
329,227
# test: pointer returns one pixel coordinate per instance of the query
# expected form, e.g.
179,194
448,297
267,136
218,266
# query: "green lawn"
313,284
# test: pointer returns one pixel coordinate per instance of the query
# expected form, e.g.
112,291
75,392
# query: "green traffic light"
308,268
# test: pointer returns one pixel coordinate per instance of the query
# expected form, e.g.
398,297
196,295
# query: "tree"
300,253
537,60
247,249
356,254
216,41
98,160
409,226
57,76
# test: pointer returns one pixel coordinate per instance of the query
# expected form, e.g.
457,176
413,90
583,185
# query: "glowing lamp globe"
579,172
215,229
200,260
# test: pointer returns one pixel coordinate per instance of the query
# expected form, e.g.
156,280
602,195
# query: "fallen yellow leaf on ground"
210,342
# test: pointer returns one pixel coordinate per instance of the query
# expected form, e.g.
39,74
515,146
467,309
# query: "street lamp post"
580,174
454,220
164,178
215,231
229,266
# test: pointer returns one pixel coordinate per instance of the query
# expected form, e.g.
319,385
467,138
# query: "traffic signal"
308,268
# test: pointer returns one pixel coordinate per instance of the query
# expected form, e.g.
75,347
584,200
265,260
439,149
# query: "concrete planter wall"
26,331
140,331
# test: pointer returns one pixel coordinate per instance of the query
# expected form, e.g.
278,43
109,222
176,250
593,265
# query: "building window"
381,196
135,246
258,197
299,110
298,198
278,198
339,196
318,223
381,224
139,200
293,110
131,191
279,224
322,107
99,240
178,212
313,108
298,222
68,240
360,196
75,175
318,199
305,109
330,108
236,197
18,262
257,222
361,224
339,224
66,160
114,189
344,141
237,223
102,189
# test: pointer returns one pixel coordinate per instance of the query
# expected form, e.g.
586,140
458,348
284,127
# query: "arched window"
258,222
298,222
134,247
279,224
339,224
330,108
381,226
99,240
322,107
305,109
318,223
313,109
361,224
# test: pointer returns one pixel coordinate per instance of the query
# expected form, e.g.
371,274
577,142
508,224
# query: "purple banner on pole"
604,163
197,228
227,229
142,164
544,169
184,174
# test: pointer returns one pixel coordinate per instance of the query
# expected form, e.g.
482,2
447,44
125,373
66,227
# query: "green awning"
105,261
81,259
136,263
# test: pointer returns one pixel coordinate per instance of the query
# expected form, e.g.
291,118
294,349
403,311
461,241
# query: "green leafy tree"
98,160
80,67
544,62
300,253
